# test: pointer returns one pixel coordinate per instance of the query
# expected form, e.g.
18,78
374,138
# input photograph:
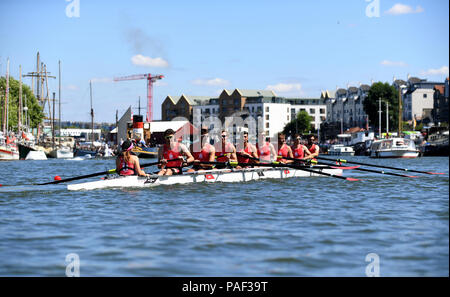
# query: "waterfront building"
272,111
440,111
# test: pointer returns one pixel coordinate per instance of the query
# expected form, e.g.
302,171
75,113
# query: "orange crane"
150,80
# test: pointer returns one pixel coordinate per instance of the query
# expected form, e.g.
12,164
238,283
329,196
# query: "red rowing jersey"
224,154
172,153
242,159
203,155
125,168
298,152
264,152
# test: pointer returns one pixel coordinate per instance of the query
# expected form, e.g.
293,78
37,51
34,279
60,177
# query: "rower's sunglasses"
168,137
224,136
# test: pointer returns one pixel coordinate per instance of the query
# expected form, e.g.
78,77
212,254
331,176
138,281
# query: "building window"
312,111
424,95
287,110
288,118
322,110
267,108
267,117
267,125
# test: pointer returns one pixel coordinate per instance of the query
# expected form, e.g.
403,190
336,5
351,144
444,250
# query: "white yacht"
341,150
394,148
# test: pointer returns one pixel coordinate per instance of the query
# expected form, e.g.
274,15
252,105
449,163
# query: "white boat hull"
211,176
394,154
36,155
7,153
61,154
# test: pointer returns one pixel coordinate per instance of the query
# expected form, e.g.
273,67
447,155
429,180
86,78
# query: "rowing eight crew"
175,155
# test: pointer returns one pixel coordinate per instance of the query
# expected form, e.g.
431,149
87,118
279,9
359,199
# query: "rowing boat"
219,175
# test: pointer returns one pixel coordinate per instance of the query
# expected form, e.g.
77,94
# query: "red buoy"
57,177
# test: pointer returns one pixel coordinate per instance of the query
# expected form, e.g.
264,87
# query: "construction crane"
150,80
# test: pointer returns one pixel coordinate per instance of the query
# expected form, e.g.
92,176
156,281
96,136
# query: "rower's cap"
126,145
169,132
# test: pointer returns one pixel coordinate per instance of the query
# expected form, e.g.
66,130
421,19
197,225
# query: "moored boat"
221,175
394,148
341,150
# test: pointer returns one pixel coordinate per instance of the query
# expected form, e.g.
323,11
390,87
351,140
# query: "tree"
300,124
387,93
34,112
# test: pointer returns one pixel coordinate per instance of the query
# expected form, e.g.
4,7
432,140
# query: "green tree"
387,93
35,112
300,124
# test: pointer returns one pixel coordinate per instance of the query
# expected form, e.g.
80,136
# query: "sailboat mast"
6,118
59,103
92,113
387,119
400,112
19,124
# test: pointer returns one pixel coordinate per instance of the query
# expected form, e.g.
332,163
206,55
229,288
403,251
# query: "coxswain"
172,150
313,148
206,154
299,150
266,150
247,152
226,152
126,163
284,150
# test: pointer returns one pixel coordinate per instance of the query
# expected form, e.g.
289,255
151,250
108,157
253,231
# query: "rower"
173,150
226,152
266,151
299,150
126,163
207,153
312,147
247,152
284,149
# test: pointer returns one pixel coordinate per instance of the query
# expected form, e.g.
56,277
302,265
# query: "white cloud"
71,87
285,88
101,80
394,63
211,82
399,8
141,60
444,70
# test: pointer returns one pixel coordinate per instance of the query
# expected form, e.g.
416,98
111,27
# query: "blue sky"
296,48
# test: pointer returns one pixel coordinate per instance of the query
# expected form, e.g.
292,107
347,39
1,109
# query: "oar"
111,171
379,166
278,165
368,170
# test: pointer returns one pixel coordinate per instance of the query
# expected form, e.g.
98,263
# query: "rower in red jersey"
173,150
266,150
312,147
126,163
299,150
246,152
226,151
284,150
206,154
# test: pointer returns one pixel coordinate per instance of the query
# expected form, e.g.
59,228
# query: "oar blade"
352,179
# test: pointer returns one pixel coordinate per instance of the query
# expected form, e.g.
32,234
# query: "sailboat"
86,150
61,152
8,147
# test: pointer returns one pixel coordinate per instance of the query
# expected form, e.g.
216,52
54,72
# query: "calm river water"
295,227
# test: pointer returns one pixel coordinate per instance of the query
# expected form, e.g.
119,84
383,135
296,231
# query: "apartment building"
418,99
345,106
265,107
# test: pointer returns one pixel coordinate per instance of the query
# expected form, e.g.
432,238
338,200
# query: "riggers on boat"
220,175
